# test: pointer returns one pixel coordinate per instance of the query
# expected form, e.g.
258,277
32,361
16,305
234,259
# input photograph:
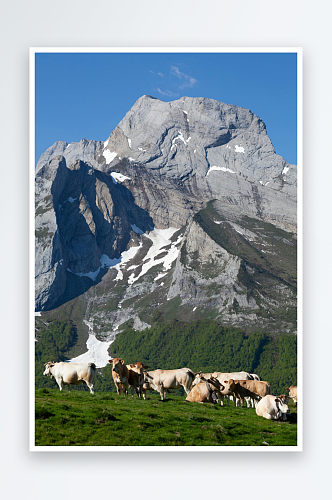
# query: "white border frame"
33,51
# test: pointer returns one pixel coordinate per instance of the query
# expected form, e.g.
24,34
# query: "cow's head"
199,377
138,367
215,382
228,387
147,377
117,364
230,384
282,405
48,367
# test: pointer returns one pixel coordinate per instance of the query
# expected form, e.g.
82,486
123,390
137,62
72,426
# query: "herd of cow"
199,387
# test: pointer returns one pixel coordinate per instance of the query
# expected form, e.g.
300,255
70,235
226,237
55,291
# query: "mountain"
185,211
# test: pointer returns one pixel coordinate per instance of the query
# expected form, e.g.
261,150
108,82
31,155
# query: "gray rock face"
193,272
202,149
83,150
129,223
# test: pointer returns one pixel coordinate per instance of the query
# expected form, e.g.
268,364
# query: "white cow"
164,380
273,407
71,373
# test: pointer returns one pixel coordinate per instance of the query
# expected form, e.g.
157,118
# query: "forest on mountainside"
200,345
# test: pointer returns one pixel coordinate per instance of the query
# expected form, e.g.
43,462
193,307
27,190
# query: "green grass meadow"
78,418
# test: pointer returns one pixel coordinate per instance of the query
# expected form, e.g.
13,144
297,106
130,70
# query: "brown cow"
292,389
214,384
136,377
248,388
205,391
120,375
235,376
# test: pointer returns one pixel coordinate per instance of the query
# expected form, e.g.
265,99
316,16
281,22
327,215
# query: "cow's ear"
122,361
145,367
110,360
277,400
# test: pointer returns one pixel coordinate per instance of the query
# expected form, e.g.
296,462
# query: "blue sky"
85,95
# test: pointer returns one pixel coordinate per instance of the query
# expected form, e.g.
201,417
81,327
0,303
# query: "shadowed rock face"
81,215
106,213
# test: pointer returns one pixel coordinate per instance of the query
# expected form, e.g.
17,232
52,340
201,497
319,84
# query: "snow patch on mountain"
179,137
117,177
97,352
116,263
223,169
109,156
160,238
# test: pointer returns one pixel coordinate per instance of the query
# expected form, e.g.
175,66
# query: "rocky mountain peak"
185,203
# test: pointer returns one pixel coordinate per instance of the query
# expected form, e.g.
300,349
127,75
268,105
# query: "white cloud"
167,93
188,81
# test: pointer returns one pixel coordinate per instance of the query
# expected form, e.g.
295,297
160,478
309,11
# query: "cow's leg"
90,387
162,393
125,388
267,415
241,400
59,382
139,391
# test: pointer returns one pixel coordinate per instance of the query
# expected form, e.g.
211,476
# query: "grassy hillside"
81,419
